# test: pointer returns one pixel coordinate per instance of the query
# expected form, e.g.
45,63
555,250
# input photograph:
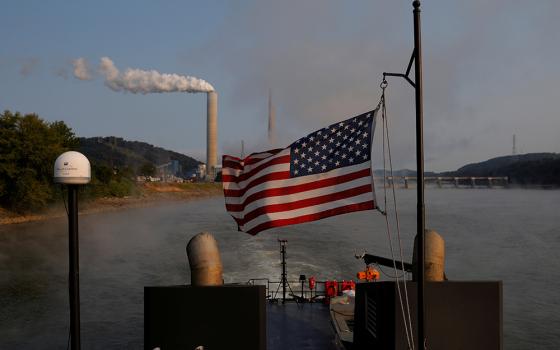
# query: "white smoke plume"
149,81
28,66
81,69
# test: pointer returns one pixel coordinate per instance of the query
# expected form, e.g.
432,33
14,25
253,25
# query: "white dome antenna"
72,168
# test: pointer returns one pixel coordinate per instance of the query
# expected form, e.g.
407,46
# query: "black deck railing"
296,290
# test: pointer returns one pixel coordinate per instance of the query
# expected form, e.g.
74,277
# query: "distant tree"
28,147
110,182
10,145
102,173
147,169
126,172
64,134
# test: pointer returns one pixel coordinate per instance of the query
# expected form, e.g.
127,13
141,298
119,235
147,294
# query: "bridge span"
447,181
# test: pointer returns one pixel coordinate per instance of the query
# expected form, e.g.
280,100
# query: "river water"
491,234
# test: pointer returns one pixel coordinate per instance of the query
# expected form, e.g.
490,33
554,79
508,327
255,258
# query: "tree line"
29,146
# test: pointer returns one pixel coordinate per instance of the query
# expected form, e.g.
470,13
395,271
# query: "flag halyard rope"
387,153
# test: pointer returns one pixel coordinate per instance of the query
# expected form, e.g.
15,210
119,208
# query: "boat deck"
304,326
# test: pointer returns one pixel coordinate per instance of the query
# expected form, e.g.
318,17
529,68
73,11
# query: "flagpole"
420,213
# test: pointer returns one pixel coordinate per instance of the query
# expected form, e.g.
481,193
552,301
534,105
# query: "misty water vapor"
149,81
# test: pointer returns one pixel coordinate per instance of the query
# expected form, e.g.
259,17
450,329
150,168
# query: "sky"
490,71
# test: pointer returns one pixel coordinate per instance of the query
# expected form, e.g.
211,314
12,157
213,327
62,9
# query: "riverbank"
148,194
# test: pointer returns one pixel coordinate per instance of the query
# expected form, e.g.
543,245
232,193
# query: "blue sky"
490,70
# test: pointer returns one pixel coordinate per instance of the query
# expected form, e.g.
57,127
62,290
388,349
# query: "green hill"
523,169
531,169
117,152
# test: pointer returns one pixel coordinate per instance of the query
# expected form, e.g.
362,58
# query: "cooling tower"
212,135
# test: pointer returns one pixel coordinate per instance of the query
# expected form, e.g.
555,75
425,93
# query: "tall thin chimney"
211,135
271,120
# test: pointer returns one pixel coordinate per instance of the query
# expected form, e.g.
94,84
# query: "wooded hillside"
117,152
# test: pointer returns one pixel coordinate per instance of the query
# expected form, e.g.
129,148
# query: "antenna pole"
74,273
284,279
420,214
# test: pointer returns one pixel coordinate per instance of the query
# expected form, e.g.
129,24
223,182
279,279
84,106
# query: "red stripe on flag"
231,164
312,217
287,190
309,202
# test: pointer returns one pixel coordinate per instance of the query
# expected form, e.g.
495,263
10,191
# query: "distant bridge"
447,181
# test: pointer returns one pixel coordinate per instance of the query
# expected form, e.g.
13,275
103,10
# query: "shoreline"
150,194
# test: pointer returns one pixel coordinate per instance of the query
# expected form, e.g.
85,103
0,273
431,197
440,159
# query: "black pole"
283,251
74,268
420,214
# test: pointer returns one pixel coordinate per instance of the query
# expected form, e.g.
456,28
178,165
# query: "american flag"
326,173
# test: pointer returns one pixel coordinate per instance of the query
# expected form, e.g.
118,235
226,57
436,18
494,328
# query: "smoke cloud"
81,69
28,66
60,72
149,81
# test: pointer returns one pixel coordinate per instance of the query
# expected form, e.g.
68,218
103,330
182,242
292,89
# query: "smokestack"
211,135
271,120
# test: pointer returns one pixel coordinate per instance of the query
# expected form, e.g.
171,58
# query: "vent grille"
371,316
